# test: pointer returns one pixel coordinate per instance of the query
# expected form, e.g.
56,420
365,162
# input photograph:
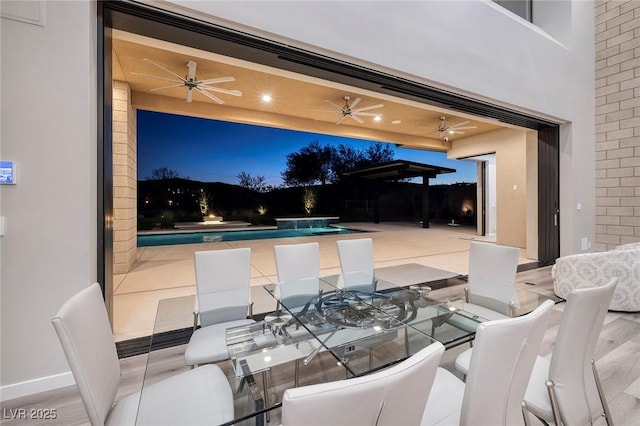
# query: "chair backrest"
298,267
297,293
297,261
83,328
393,396
570,368
492,274
504,353
356,263
222,281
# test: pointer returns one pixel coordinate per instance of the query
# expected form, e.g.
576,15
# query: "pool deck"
168,271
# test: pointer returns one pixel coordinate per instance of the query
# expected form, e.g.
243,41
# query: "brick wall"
617,122
124,179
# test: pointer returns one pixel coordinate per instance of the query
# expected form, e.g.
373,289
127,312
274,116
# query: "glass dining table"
335,331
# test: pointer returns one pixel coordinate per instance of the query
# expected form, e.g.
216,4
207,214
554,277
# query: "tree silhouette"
160,173
315,164
310,165
256,183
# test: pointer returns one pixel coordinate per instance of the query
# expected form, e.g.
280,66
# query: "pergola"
402,169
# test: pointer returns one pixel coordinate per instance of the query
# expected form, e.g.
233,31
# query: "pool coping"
186,228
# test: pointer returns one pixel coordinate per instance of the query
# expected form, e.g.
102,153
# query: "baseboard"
31,387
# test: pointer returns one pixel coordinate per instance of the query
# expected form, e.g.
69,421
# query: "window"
522,8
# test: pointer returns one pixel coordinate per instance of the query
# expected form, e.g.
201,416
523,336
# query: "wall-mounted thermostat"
7,172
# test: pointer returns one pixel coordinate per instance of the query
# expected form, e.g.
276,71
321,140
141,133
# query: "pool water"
214,237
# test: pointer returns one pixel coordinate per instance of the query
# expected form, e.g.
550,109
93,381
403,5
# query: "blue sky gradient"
216,151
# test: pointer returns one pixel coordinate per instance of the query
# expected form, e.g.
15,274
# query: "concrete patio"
168,271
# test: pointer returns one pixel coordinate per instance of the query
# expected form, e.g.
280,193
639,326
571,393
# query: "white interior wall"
48,93
48,252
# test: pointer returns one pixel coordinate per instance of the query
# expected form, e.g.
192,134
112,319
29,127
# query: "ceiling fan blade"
358,119
163,69
456,132
464,128
216,80
460,124
192,70
341,119
336,106
220,90
209,95
189,94
156,77
368,108
167,87
354,103
368,114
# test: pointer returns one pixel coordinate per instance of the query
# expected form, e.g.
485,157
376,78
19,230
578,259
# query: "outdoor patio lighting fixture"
266,98
377,118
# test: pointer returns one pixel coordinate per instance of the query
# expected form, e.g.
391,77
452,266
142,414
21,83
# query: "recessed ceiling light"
396,122
266,98
377,118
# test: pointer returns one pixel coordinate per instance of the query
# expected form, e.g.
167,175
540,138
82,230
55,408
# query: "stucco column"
124,179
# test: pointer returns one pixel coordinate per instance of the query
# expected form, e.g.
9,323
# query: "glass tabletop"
344,323
338,327
413,307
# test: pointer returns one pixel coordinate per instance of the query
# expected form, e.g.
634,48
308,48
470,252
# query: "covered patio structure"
397,170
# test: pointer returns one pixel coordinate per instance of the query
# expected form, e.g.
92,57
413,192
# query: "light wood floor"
617,358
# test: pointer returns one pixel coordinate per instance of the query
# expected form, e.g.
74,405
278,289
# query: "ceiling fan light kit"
349,110
455,129
190,81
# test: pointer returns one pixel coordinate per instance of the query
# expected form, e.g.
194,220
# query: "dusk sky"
216,151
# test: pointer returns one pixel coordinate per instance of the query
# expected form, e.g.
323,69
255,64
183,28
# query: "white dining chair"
200,396
224,301
393,396
356,264
490,291
503,356
566,389
298,269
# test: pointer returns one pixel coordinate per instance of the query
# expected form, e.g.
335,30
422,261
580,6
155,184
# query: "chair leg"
196,315
296,374
265,387
406,342
554,402
603,400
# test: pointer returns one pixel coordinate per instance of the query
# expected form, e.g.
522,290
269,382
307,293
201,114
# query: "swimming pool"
214,237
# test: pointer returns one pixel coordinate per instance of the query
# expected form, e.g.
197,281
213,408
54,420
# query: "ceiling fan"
349,110
455,129
190,81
